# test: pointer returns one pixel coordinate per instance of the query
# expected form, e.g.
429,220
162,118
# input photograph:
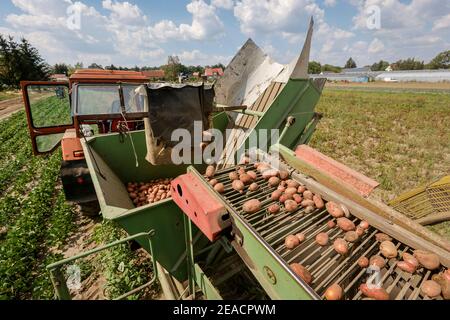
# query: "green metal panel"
220,121
208,289
297,99
111,163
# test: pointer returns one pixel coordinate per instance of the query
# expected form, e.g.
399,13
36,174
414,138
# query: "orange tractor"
65,112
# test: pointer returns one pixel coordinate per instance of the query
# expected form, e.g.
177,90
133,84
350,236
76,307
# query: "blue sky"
138,32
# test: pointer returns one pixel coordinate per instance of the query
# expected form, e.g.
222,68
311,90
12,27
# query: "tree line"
441,61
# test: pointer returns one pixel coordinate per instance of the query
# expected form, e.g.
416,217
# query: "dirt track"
8,107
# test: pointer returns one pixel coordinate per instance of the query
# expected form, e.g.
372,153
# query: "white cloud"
125,12
330,3
224,4
442,23
376,46
123,33
274,15
197,57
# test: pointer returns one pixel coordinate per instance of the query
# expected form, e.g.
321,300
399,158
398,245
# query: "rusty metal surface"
345,175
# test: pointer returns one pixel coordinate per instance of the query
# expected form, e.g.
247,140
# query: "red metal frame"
202,208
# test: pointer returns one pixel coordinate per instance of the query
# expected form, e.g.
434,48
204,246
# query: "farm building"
415,75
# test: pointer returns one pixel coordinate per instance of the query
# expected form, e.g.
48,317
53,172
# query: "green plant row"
20,251
120,265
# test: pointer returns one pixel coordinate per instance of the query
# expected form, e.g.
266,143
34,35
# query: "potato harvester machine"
203,246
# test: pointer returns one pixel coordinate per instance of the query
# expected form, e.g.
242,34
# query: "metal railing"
59,282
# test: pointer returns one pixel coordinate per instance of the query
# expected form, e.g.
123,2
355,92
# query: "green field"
36,223
398,139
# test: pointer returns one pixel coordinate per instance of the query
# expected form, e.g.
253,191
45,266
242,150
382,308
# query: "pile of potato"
144,193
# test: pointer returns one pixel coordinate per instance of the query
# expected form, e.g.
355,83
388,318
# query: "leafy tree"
441,61
314,67
330,68
79,65
61,68
350,63
95,66
20,61
408,64
111,67
219,65
380,66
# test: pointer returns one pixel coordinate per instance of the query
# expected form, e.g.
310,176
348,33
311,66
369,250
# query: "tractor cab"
90,102
63,113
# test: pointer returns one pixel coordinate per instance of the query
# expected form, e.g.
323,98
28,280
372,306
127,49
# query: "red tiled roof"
154,73
209,72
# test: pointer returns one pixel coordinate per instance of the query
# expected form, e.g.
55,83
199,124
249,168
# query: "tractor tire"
90,209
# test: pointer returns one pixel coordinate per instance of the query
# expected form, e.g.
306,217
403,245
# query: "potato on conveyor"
340,246
318,202
233,175
444,283
275,196
238,185
302,272
409,258
427,259
252,174
309,209
351,236
213,182
301,189
359,231
210,171
297,198
253,187
291,242
246,179
382,237
334,210
274,181
301,237
377,261
388,249
307,203
345,224
274,208
290,191
269,173
284,174
251,206
219,187
363,262
431,288
308,195
322,239
290,205
292,184
374,293
364,225
334,292
331,224
405,266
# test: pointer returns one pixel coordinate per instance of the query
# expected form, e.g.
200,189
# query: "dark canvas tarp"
172,108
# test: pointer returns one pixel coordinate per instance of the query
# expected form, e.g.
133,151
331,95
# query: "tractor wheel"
90,209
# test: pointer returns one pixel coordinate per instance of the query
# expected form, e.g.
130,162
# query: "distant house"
196,74
59,78
213,72
154,74
388,69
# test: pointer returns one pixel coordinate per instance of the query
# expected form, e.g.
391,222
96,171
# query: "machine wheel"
90,209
